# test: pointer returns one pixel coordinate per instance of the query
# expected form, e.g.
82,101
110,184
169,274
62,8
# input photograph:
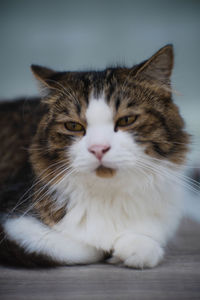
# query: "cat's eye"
74,126
125,121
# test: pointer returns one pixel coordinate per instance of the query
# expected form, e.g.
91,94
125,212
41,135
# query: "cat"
88,172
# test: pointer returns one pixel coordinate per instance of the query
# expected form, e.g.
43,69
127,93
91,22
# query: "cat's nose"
99,150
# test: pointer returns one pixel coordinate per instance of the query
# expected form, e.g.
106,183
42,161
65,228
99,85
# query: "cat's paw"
138,251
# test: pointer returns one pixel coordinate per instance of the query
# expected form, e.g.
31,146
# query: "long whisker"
168,174
21,200
187,178
28,210
40,190
48,192
34,203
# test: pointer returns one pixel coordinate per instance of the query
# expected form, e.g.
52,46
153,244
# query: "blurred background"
78,35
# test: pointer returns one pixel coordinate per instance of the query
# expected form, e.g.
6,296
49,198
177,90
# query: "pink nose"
99,150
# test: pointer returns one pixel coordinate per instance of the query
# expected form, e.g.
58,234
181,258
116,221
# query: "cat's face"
107,145
102,123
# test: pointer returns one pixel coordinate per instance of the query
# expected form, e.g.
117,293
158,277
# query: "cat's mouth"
105,172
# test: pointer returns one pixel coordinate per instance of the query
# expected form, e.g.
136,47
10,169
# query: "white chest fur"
99,213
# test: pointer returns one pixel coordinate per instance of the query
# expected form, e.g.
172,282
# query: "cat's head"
105,122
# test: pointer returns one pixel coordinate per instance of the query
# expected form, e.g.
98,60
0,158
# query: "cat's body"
18,122
97,165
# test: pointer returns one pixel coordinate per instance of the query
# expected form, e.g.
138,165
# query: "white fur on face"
100,131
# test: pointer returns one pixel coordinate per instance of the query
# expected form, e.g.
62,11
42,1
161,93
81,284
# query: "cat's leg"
37,238
142,247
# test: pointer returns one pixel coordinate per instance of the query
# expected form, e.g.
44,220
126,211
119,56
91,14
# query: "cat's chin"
105,172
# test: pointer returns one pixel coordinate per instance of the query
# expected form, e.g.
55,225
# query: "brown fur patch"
105,172
47,209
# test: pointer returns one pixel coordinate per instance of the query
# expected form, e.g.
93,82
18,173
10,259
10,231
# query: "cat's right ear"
44,75
49,81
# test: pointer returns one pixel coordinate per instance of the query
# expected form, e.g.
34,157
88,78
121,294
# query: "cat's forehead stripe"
98,110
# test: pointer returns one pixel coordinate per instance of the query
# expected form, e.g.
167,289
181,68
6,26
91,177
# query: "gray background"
77,35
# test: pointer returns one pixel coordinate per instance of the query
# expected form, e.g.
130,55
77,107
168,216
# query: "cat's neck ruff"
116,205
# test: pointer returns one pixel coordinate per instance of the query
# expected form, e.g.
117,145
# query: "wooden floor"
178,277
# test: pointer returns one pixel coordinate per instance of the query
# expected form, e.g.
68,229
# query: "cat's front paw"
138,251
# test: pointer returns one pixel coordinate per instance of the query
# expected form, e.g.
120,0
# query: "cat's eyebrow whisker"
65,90
62,91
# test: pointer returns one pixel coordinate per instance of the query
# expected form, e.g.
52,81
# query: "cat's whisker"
64,179
20,202
170,175
67,174
34,204
172,142
188,179
61,92
65,90
40,175
186,165
48,192
62,170
178,168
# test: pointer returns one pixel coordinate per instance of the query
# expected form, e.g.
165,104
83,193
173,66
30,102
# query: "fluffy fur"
128,203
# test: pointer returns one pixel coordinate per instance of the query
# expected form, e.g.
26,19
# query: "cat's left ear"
159,66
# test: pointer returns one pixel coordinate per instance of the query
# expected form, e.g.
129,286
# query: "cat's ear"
159,66
44,75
